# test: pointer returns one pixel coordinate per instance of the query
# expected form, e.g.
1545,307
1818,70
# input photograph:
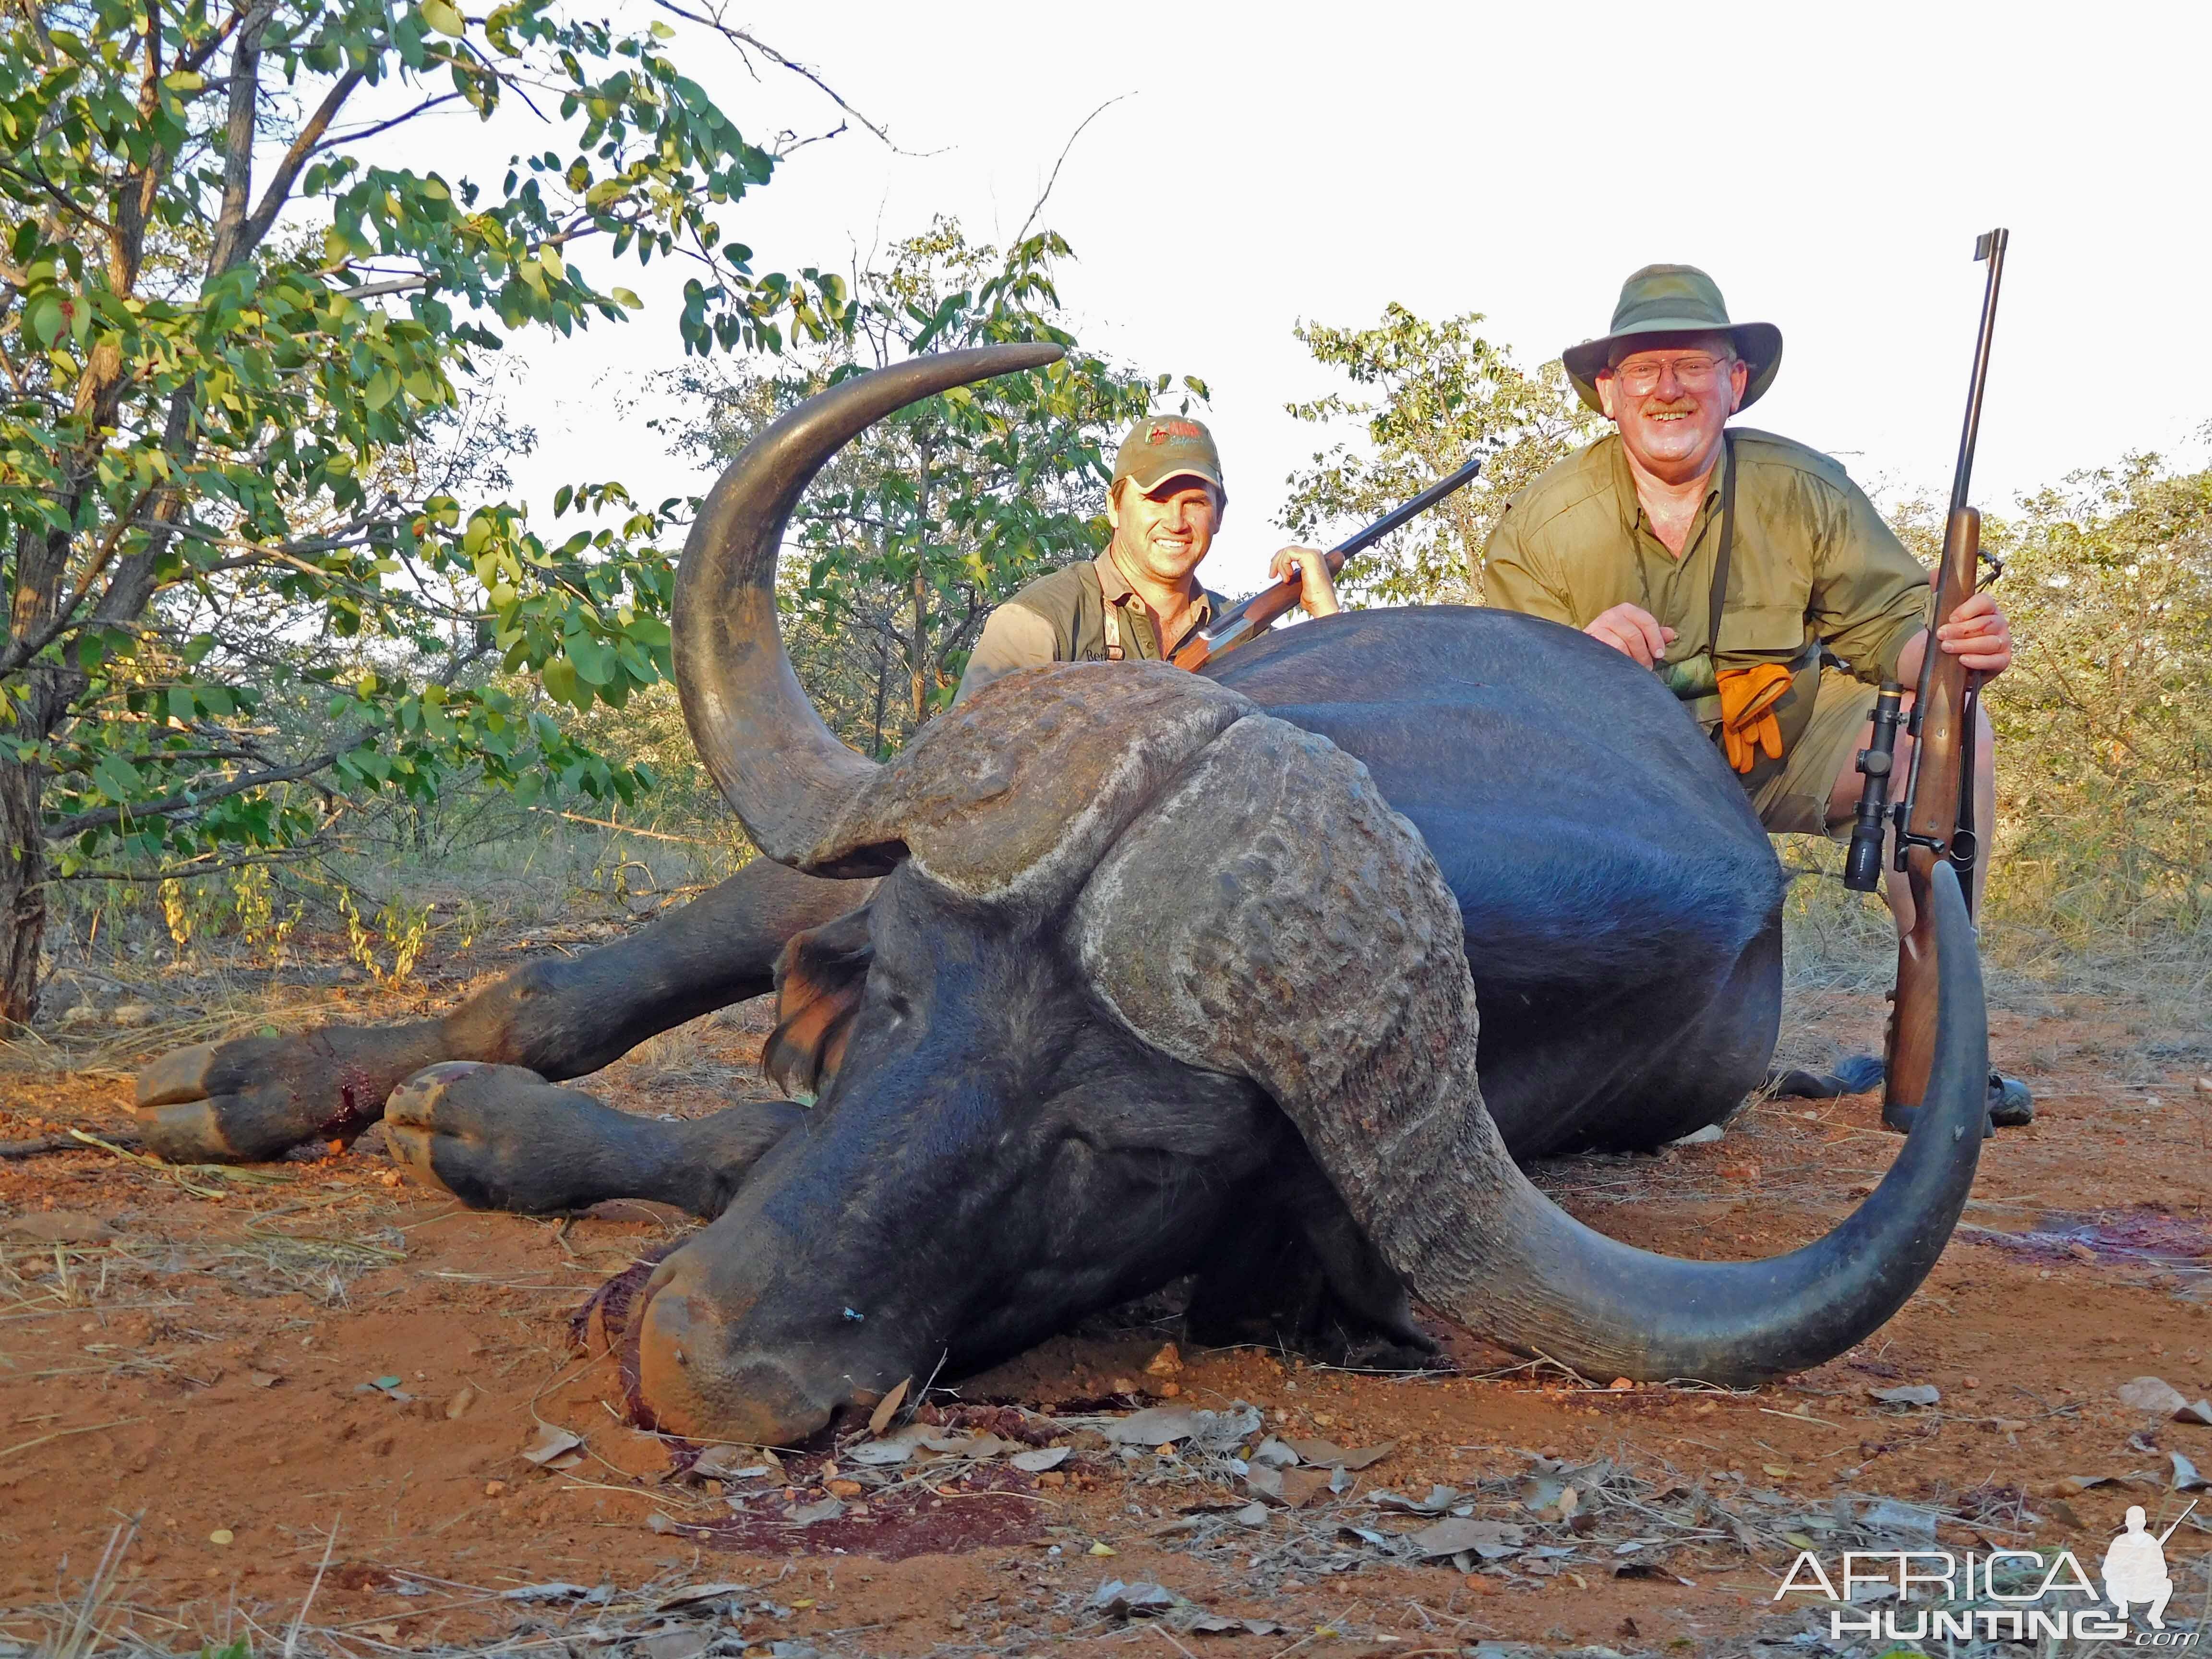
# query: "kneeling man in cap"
1141,598
1741,566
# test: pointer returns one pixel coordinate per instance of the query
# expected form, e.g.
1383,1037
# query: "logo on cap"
1165,431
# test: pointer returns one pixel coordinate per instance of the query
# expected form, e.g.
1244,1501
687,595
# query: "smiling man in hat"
1141,598
1743,568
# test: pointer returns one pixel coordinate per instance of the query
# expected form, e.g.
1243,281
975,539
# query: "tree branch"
288,170
335,139
169,805
225,249
1023,234
739,37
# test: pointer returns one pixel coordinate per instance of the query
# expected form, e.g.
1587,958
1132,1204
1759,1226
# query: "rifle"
1237,625
1936,819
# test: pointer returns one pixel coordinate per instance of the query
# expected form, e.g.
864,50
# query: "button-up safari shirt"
1062,617
1811,564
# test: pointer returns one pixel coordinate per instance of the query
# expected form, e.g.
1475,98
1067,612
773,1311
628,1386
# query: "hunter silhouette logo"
2134,1568
2010,1594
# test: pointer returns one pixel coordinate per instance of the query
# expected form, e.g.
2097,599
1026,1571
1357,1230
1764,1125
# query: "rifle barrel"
1991,247
1399,517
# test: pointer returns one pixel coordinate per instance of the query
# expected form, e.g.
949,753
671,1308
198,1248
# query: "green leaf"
441,16
559,678
116,778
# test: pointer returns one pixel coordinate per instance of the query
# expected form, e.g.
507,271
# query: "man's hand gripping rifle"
1936,819
1240,622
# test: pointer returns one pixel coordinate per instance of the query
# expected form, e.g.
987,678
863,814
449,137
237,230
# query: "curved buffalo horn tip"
760,736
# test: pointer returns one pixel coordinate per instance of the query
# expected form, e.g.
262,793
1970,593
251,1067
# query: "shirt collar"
1116,586
1624,484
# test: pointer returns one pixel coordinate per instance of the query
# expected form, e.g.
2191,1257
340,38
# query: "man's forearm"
1911,658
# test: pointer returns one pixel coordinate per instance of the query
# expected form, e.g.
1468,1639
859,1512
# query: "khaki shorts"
1790,795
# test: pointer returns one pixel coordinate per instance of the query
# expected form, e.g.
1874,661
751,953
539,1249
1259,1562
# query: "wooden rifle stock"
1929,816
1934,820
1239,623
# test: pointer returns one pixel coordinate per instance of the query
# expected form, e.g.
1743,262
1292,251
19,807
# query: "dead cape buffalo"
1163,974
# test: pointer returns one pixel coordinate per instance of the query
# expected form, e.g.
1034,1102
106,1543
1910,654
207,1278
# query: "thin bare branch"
743,39
1023,235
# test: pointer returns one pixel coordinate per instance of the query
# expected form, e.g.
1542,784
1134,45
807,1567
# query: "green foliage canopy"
236,349
1429,397
944,509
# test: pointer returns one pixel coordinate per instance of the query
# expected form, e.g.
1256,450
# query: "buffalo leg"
1291,1269
502,1138
252,1097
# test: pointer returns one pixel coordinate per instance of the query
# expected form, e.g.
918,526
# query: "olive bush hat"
1676,300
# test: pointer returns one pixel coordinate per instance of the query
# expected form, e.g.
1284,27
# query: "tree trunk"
918,658
22,891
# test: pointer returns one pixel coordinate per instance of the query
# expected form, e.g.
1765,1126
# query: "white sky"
1830,165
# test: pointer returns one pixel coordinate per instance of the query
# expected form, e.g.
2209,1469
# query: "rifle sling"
1727,548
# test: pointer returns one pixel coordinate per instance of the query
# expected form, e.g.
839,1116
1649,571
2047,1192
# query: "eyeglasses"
1640,377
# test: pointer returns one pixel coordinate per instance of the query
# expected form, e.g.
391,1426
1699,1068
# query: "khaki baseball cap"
1167,446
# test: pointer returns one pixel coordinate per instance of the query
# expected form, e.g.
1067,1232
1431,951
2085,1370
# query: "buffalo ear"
819,980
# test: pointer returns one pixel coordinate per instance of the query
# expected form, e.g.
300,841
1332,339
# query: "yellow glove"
1747,722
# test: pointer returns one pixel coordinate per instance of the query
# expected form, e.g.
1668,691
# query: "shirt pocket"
1776,631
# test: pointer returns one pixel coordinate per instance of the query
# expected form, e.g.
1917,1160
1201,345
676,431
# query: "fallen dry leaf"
1328,1452
1488,1539
2153,1394
263,1379
553,1448
56,1227
1037,1461
2197,1410
464,1398
1913,1394
1300,1485
2185,1478
887,1407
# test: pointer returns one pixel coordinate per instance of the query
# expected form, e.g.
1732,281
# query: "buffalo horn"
1315,949
768,749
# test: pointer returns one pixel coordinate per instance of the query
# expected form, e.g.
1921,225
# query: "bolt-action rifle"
1936,819
1240,622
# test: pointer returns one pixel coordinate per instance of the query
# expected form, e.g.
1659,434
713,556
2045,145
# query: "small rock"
495,1489
1166,1363
129,1016
1703,1137
843,1488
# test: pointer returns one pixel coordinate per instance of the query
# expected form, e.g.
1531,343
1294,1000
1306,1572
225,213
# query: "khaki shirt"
1062,617
1812,561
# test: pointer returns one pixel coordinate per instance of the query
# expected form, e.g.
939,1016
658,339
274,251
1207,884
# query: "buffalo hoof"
252,1098
2011,1106
502,1138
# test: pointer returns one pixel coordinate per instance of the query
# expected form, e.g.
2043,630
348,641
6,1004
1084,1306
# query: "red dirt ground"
203,1359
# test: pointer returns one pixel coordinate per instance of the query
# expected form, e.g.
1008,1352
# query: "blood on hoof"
253,1098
